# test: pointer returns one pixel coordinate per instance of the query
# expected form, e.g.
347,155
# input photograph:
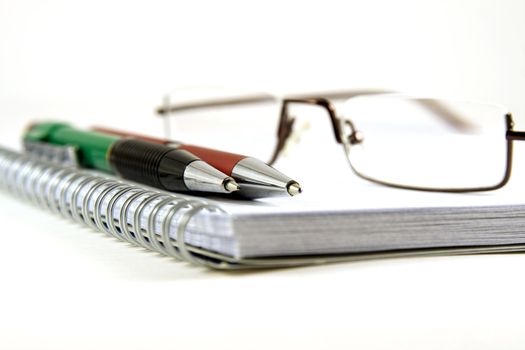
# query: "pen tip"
231,186
293,189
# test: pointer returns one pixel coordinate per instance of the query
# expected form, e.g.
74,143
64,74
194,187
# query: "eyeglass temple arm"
438,109
516,135
215,102
286,124
258,98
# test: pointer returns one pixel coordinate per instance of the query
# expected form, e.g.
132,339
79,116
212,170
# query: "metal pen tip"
293,189
231,186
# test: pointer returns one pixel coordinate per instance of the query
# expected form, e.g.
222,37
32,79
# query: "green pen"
141,161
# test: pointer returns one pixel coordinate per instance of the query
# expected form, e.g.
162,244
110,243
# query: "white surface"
97,62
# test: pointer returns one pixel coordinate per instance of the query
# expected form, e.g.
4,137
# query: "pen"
138,160
257,178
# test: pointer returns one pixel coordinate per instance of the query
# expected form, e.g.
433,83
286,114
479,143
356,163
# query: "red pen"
256,178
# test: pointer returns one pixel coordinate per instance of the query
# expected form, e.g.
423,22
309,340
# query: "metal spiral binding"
105,204
151,219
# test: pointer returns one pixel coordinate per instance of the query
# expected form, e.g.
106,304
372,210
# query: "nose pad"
355,136
294,134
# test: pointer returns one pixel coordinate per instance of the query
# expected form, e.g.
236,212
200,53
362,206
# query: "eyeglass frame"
323,100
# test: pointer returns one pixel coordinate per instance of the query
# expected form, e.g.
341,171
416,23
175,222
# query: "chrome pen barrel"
199,176
258,179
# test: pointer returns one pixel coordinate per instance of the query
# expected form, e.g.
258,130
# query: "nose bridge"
286,123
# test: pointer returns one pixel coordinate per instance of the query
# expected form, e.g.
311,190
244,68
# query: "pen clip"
65,155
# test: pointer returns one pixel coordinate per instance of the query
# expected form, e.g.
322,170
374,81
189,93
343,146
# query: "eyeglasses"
390,139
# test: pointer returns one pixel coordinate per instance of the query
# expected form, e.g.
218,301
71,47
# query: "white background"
109,62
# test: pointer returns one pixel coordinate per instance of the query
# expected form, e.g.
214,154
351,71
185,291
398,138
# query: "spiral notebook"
230,234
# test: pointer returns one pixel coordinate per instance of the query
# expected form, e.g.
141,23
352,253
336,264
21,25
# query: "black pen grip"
151,164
